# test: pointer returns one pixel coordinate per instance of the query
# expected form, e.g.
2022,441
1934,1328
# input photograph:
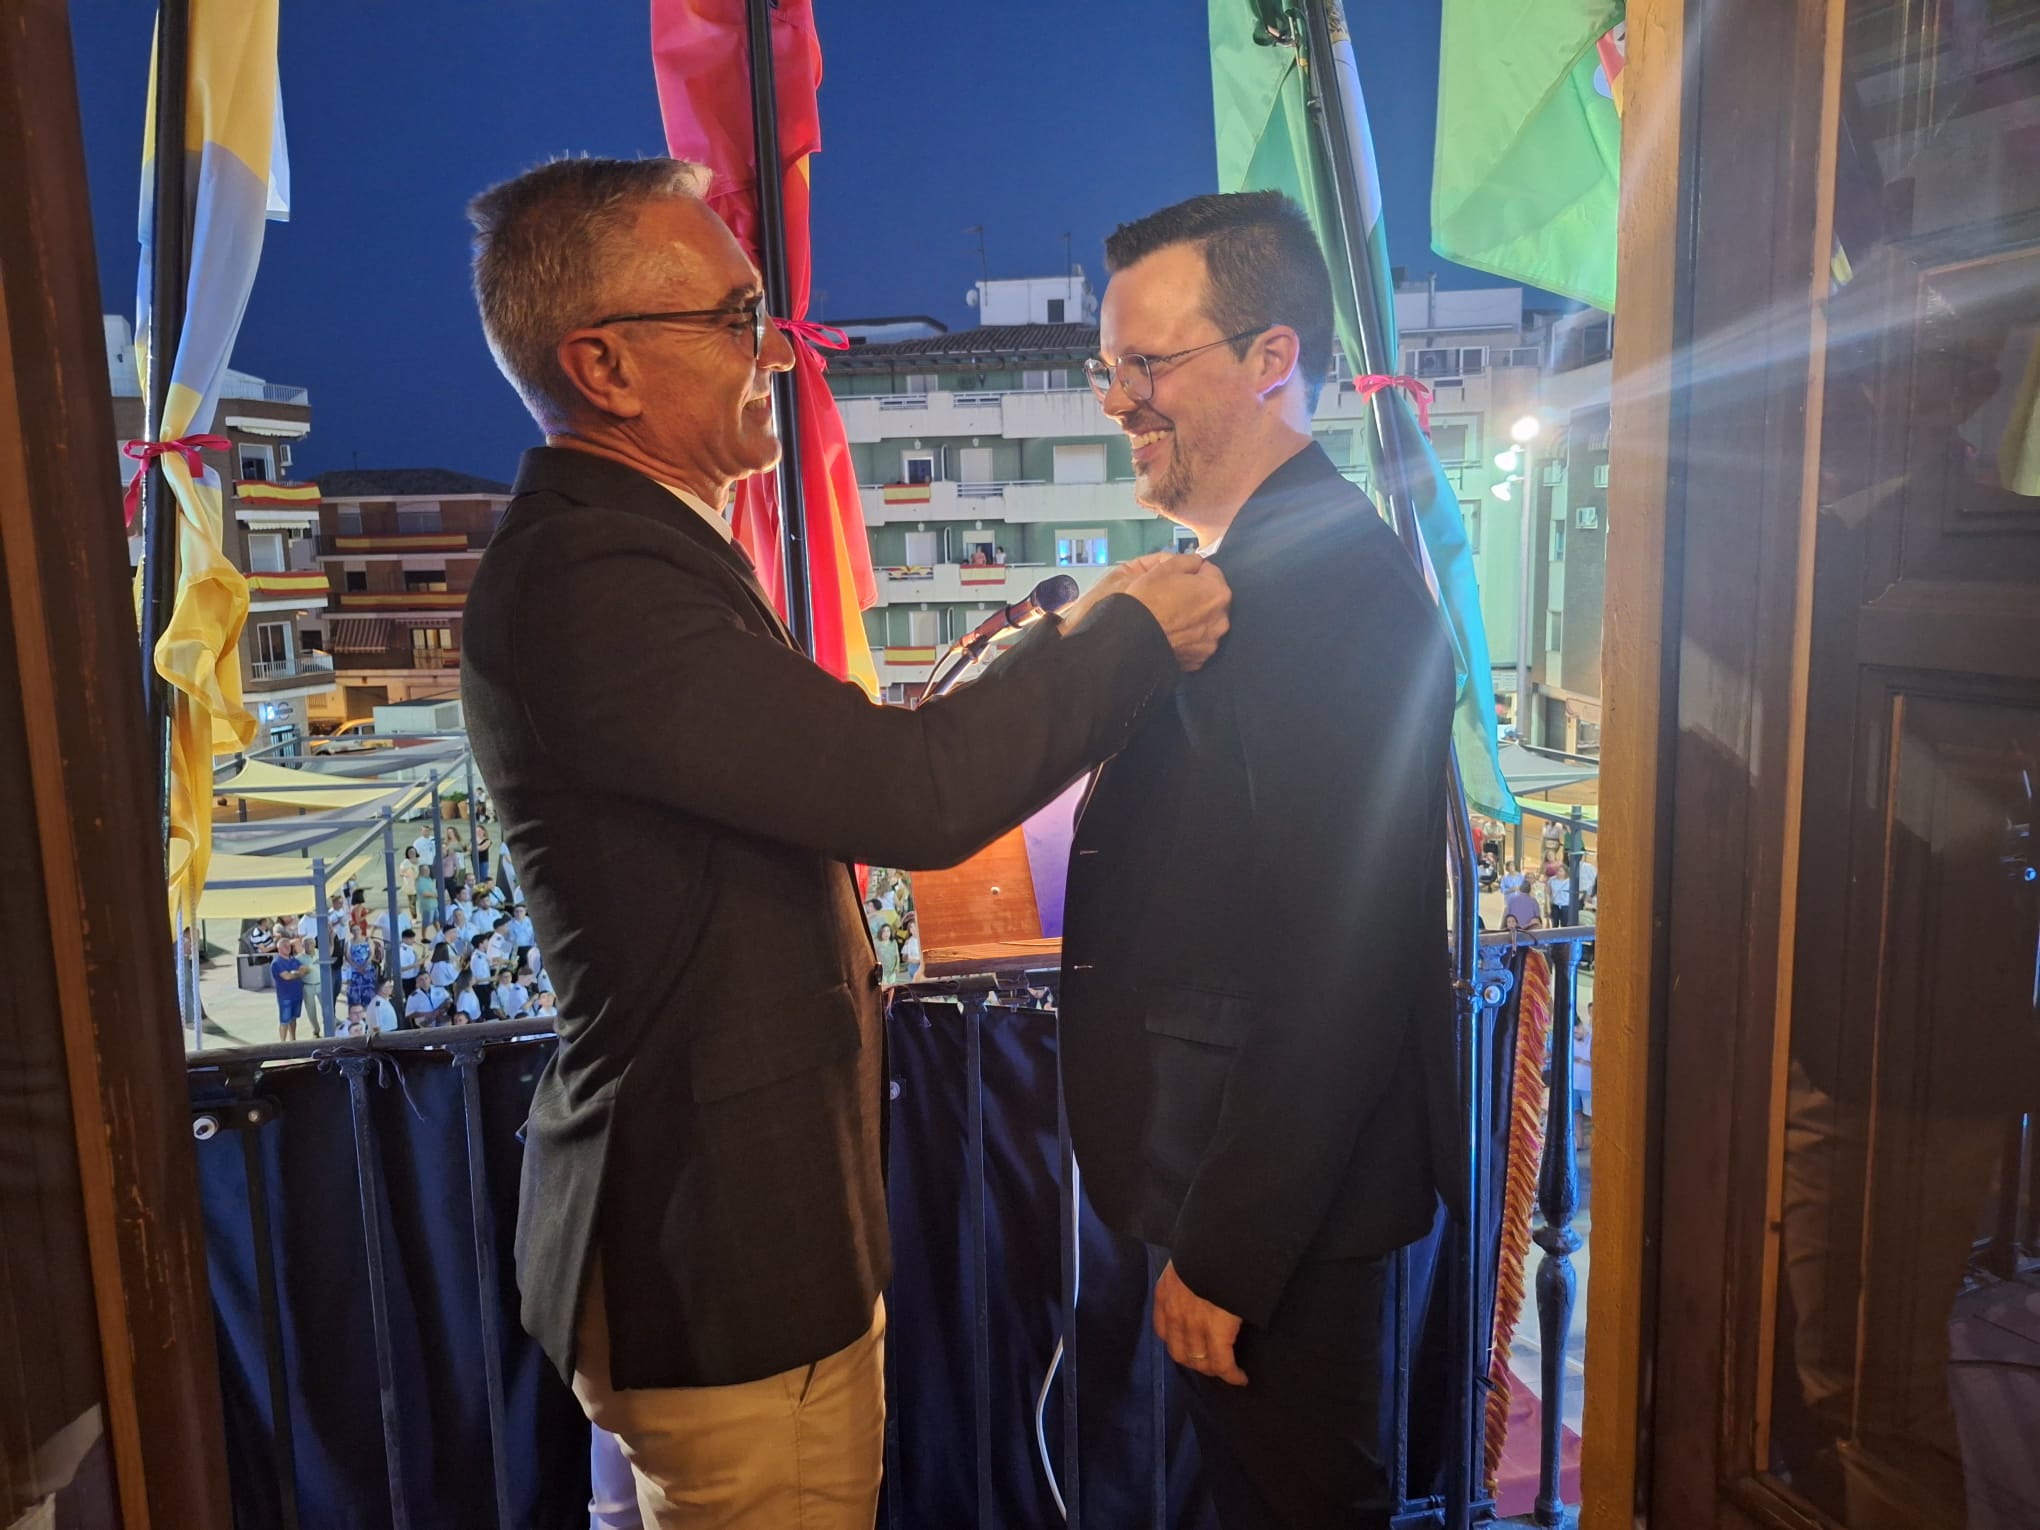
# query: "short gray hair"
543,251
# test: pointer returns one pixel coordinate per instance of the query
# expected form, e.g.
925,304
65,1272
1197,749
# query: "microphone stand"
958,660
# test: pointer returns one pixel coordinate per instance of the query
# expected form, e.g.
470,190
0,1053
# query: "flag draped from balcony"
1267,140
235,180
704,96
1524,181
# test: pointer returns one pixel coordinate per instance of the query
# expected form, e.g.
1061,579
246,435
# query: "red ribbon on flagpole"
816,337
1373,382
187,447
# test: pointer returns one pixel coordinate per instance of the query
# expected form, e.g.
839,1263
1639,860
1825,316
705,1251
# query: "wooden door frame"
102,879
1726,225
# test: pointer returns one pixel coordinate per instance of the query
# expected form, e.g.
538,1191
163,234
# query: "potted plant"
456,804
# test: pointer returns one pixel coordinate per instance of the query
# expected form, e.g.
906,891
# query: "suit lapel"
591,480
747,576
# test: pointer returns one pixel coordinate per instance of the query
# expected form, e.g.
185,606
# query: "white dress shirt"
695,503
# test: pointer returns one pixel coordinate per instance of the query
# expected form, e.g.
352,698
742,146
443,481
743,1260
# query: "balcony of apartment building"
1014,501
1048,405
282,563
407,592
399,656
872,417
996,583
347,546
280,663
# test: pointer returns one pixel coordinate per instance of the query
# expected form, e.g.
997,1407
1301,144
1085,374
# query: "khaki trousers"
802,1450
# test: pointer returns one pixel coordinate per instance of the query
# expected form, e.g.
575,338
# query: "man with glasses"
1256,1013
702,1236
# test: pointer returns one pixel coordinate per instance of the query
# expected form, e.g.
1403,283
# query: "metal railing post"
1558,1199
322,945
474,808
391,967
978,1254
190,944
368,1180
467,1060
438,858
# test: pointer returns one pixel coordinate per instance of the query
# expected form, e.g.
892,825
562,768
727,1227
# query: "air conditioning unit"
1588,517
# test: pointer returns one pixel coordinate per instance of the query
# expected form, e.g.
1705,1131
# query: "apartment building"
987,464
399,547
269,531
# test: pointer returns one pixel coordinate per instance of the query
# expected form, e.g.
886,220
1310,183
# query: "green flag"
1524,183
1267,141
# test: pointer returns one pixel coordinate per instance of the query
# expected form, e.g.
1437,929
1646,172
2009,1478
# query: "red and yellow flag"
698,53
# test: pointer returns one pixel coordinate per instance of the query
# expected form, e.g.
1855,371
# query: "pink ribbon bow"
187,447
816,337
1373,382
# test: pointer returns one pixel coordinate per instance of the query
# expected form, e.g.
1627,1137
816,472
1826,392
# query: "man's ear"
1275,357
599,367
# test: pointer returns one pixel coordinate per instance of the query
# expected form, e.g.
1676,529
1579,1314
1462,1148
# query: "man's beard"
1172,491
1174,488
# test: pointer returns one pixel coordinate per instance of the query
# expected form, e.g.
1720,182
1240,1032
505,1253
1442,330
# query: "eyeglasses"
1136,374
754,311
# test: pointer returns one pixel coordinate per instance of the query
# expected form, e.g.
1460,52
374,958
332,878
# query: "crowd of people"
475,959
1546,894
895,929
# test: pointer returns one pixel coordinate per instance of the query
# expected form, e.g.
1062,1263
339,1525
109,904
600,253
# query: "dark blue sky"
1030,118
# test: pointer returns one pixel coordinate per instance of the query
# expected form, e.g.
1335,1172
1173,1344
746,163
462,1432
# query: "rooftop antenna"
984,261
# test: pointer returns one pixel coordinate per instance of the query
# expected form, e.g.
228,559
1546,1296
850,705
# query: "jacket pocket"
1194,1034
755,1047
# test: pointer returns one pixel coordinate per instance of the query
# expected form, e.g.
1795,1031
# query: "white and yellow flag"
235,180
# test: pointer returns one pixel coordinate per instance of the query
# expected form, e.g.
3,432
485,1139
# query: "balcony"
288,589
1056,412
405,1145
905,663
395,602
397,664
998,584
913,416
310,667
268,392
401,544
1027,500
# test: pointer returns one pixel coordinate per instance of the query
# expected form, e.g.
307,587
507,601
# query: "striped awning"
358,634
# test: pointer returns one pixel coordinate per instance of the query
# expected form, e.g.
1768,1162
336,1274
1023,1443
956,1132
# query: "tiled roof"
403,483
999,342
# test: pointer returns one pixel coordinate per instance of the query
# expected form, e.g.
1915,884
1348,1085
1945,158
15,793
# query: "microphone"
1051,595
1054,594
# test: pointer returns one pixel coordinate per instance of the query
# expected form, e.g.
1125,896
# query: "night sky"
1031,117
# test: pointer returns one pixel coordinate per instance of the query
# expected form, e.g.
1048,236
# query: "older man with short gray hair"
702,1236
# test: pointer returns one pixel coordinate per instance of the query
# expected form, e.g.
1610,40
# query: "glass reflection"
1906,1360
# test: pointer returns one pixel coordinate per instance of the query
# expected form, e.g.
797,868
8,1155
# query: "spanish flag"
235,179
257,493
699,48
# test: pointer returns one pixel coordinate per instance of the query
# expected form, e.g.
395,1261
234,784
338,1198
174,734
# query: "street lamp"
1514,462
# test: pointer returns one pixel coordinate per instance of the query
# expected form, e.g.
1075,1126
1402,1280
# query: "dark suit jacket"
1257,1004
681,790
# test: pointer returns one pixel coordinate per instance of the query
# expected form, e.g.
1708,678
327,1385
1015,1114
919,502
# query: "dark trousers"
1306,1444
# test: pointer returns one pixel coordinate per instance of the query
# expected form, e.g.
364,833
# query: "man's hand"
1191,600
1114,583
1199,1336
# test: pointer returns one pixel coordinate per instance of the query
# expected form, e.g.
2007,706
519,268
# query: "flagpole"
167,242
1331,116
779,297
